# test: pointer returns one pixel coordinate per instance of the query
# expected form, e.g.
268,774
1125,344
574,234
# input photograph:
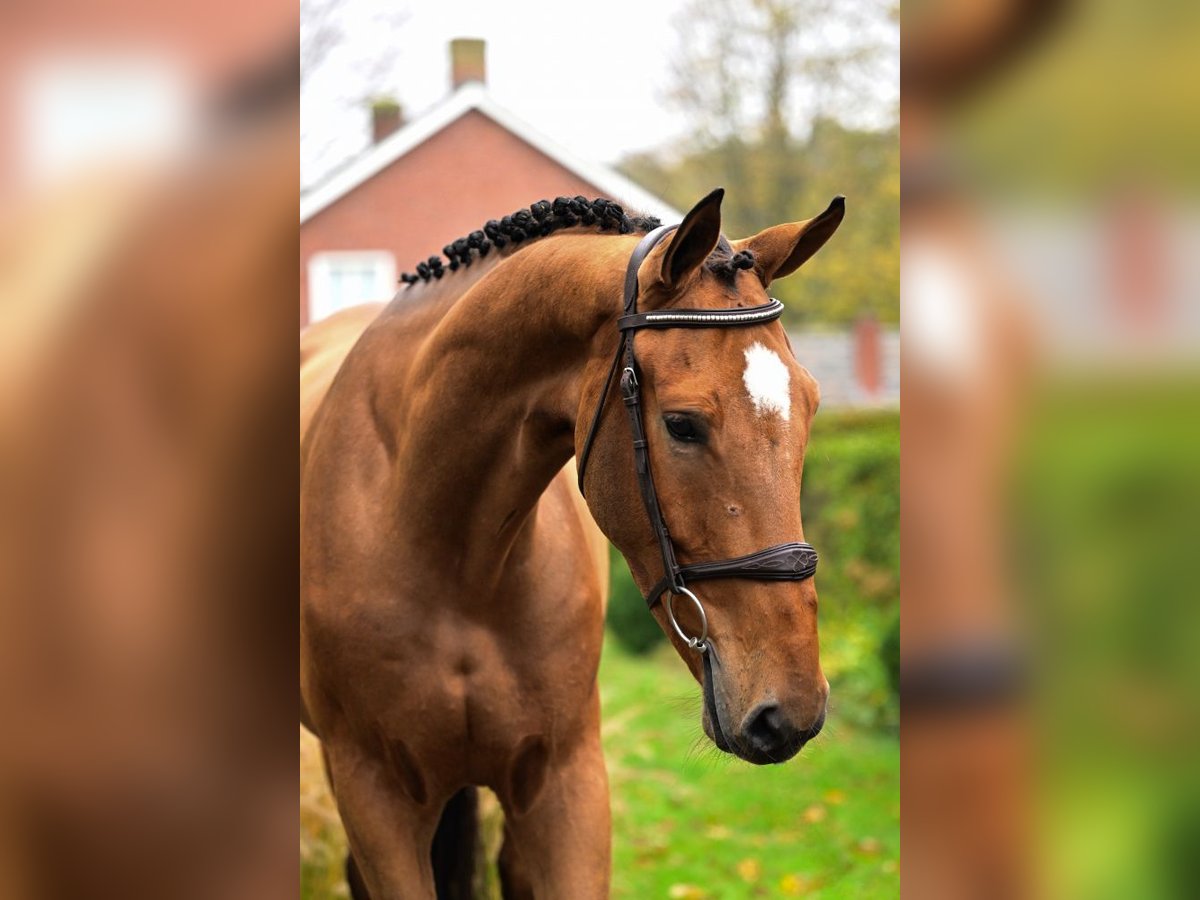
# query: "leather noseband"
792,561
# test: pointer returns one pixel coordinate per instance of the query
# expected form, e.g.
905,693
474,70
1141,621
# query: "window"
347,278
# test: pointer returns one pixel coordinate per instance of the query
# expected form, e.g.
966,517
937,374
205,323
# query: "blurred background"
1051,232
785,103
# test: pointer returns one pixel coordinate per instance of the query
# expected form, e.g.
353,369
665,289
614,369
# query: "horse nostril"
768,735
768,730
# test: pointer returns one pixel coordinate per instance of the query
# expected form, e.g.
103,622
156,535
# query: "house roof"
473,96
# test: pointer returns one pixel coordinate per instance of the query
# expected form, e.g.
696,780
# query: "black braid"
538,220
492,230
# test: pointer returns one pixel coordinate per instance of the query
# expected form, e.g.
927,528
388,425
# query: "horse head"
726,413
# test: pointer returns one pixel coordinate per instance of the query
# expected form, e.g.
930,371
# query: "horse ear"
694,239
782,249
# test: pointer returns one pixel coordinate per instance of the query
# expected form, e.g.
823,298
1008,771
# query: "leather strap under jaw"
792,561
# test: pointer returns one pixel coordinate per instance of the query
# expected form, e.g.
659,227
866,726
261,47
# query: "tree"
792,102
348,59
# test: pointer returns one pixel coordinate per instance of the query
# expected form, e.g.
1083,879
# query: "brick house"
424,183
418,187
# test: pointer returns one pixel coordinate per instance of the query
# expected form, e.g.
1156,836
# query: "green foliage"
851,503
889,655
630,623
852,516
858,271
1105,538
1045,132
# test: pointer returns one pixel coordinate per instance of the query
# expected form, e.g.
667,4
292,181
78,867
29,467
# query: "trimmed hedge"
851,502
628,619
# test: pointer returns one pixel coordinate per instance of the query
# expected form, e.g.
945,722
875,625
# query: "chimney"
467,62
868,353
386,117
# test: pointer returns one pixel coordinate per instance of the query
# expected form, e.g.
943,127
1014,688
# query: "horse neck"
488,411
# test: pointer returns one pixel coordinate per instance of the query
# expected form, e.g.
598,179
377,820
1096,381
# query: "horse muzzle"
766,734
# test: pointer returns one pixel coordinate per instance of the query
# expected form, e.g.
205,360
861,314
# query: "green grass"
691,823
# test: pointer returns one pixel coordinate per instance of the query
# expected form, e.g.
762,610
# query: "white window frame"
321,267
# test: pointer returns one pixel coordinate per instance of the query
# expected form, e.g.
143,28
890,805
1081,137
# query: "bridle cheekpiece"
791,561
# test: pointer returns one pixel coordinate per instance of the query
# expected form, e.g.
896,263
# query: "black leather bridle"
793,561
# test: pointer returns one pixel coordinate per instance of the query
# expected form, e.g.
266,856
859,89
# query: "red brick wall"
471,171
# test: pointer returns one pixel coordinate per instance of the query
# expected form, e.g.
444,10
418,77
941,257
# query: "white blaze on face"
768,382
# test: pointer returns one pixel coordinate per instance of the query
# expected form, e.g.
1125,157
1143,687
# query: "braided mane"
545,217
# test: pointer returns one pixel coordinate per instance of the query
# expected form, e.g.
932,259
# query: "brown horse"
453,582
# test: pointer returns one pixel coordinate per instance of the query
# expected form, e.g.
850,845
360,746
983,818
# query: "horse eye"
682,428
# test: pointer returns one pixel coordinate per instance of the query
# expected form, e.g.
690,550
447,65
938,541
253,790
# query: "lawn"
690,823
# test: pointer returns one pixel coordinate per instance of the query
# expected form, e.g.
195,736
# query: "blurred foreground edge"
1051,427
966,814
148,523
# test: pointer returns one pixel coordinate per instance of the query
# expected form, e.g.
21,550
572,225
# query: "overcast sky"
592,75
